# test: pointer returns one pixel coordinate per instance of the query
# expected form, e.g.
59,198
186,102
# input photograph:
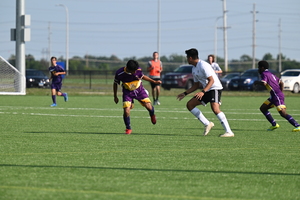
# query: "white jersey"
216,66
202,71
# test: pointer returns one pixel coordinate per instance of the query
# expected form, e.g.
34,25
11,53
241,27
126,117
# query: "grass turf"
78,150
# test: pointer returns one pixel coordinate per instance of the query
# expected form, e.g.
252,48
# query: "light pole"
216,37
67,36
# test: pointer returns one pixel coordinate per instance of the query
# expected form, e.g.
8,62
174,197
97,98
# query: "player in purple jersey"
275,86
56,72
131,77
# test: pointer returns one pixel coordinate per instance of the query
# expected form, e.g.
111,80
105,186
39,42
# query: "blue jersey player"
131,77
56,72
275,86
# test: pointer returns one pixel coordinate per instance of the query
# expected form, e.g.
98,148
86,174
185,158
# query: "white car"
291,80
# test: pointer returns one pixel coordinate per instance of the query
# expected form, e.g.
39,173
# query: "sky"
129,28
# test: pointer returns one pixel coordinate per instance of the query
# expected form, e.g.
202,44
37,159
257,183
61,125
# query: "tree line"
112,63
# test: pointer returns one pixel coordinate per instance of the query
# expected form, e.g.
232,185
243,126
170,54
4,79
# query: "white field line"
12,110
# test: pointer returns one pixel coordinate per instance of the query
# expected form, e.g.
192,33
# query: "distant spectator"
154,69
214,65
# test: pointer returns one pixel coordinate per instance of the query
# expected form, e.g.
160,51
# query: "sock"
54,98
63,94
292,121
127,122
198,114
221,116
270,118
151,112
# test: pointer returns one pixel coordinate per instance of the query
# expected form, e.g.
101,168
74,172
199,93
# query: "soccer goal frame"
12,81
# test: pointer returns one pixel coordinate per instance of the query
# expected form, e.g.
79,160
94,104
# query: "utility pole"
158,29
216,38
225,35
67,36
21,34
279,53
49,43
254,37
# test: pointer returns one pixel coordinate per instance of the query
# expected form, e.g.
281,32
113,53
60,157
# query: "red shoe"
153,119
128,131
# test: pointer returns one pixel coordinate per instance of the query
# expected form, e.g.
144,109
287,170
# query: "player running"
56,72
275,86
212,89
131,77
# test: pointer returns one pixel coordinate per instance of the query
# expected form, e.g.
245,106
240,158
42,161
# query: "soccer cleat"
153,119
157,102
207,128
128,131
296,129
272,128
53,105
227,134
66,97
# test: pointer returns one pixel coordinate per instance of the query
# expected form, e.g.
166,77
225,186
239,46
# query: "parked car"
36,78
248,81
291,80
227,78
182,77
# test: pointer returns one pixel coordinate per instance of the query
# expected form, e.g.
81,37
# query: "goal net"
12,82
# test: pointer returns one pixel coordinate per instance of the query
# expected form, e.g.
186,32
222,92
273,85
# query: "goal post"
12,81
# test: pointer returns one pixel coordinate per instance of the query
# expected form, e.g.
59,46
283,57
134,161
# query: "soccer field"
78,150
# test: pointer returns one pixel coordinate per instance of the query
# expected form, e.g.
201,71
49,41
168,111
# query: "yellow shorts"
279,107
127,104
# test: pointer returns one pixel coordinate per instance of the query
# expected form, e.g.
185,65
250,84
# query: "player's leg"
192,107
153,93
289,118
157,94
264,108
215,102
59,93
126,116
143,98
53,95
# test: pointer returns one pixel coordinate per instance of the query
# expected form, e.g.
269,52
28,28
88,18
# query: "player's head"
262,66
53,60
192,53
211,58
131,66
155,54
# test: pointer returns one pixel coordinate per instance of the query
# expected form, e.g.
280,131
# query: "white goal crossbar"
12,82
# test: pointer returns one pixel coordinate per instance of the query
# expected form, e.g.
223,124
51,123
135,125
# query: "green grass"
78,150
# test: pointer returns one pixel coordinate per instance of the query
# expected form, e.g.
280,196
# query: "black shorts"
212,96
153,85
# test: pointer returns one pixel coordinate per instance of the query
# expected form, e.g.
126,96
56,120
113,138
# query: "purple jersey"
53,70
272,85
131,84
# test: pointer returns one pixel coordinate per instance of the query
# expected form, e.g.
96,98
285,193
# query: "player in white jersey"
212,89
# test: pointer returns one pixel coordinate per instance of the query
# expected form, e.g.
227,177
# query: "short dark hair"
192,53
53,57
263,64
132,65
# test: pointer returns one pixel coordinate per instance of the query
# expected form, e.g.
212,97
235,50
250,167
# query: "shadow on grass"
98,133
156,170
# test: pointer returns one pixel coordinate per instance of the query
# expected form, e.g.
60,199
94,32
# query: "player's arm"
210,82
149,68
115,90
188,91
281,84
146,78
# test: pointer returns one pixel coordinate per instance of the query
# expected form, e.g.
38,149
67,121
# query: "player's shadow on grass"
99,133
154,170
